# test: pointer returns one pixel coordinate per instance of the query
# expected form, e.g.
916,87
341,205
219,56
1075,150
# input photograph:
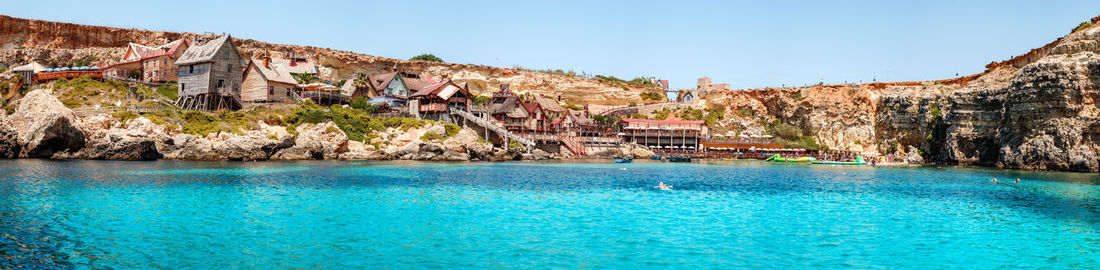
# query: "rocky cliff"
1035,111
56,43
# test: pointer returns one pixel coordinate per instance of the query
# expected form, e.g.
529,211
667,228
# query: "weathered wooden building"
210,75
436,101
268,79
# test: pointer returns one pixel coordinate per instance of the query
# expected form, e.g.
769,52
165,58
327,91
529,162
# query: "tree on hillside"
304,78
427,57
361,81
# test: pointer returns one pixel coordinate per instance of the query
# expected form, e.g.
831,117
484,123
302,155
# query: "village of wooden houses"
210,74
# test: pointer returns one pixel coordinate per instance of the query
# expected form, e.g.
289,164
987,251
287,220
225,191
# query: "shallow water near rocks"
177,214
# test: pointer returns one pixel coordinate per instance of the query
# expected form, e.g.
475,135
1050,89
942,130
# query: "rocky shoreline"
42,127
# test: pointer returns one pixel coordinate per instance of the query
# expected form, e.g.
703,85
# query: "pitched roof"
382,80
306,66
417,84
530,106
578,118
32,67
276,71
142,52
439,89
204,52
549,104
504,106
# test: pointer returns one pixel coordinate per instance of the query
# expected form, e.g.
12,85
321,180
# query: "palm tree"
361,80
304,78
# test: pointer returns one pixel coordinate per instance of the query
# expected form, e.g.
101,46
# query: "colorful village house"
210,75
268,80
393,89
551,107
506,109
148,64
435,101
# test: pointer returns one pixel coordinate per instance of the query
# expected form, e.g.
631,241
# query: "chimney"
267,62
394,69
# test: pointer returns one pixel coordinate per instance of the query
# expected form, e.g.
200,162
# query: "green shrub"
159,121
451,130
430,136
482,100
1082,26
427,57
170,91
199,123
124,116
785,131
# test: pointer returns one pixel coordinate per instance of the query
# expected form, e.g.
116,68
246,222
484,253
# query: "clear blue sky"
748,44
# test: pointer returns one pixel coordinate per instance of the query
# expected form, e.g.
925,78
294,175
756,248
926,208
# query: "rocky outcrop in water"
44,126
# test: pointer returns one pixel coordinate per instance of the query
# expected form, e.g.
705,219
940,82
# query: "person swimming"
1017,180
994,180
662,186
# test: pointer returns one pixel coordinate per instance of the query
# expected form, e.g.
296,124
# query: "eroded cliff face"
1036,111
56,43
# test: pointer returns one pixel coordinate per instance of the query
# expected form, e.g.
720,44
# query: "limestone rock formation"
316,141
9,142
45,126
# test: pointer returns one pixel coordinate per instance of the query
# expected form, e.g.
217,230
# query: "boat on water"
777,158
624,159
859,161
678,158
655,157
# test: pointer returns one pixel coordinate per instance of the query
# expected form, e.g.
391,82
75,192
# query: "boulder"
190,147
44,126
9,142
252,147
118,144
459,142
914,156
642,152
316,141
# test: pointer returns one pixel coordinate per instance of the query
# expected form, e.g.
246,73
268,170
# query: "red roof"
530,107
666,121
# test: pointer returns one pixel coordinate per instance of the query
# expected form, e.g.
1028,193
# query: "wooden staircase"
574,145
527,143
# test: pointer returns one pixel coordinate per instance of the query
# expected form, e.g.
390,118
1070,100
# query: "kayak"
624,160
679,159
859,161
777,158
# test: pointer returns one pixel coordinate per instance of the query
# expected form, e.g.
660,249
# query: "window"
183,86
221,83
190,69
229,67
270,90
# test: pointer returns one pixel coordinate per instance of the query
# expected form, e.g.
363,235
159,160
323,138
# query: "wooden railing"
114,109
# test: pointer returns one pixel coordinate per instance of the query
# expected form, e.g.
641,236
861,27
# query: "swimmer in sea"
1017,180
662,186
993,181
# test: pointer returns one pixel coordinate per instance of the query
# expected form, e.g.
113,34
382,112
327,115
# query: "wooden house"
210,75
148,64
436,101
268,80
391,88
516,114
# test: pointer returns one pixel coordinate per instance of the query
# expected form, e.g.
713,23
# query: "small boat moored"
678,158
624,159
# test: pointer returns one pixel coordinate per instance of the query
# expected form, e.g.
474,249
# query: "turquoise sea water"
171,214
